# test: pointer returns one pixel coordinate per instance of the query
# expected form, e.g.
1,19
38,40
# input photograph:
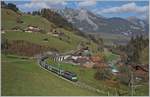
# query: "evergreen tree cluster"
137,50
9,6
135,47
54,17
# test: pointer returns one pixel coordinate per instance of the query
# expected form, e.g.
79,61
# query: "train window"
69,73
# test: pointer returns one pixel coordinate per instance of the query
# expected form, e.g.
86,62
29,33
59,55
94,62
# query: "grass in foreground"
25,77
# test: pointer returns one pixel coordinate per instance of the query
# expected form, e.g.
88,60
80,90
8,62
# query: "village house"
80,59
140,72
31,29
114,70
81,56
83,61
83,52
56,33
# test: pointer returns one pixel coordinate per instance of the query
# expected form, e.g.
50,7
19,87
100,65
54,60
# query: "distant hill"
143,23
88,22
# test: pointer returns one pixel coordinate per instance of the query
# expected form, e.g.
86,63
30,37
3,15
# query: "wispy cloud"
38,4
85,3
130,7
97,6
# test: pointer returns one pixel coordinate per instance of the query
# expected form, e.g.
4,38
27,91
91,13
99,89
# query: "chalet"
80,56
75,57
83,52
114,68
81,60
56,33
140,72
114,71
31,29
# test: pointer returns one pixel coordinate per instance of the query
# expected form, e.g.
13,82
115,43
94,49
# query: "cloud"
38,4
130,7
86,3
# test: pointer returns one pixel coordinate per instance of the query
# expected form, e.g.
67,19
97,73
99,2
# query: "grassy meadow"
25,77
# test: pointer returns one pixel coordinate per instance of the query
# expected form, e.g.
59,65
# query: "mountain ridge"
87,21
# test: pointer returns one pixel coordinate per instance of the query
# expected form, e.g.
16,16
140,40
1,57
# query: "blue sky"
105,8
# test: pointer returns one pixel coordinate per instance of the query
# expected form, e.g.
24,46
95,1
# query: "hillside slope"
25,77
9,20
69,41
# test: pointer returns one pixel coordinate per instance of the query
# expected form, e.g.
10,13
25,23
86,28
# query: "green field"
25,77
52,42
110,38
109,56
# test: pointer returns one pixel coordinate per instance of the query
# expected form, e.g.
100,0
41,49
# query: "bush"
21,47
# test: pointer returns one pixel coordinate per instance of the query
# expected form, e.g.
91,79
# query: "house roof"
138,67
115,70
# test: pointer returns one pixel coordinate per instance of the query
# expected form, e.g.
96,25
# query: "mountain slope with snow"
87,21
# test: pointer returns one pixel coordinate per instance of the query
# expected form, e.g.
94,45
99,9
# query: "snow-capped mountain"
87,21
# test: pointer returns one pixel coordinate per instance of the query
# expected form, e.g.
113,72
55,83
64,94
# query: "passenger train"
66,74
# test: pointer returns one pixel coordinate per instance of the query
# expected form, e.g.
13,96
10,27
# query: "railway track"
79,83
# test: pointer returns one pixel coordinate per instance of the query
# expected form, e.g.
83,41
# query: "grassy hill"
52,42
25,77
9,18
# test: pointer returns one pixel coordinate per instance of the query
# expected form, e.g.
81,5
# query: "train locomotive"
66,74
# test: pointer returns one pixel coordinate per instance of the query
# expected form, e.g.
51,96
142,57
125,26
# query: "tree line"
23,48
9,6
56,18
136,50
